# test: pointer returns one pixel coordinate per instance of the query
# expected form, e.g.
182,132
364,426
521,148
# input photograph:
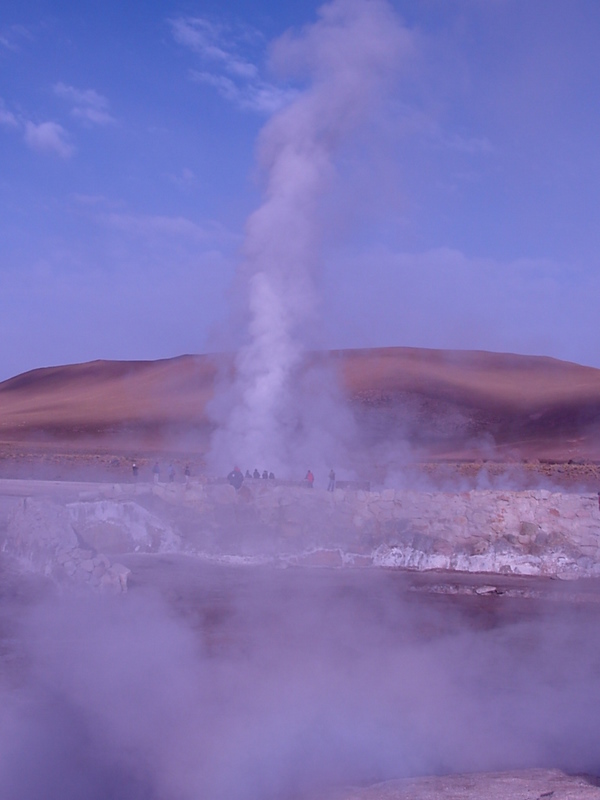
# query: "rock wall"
526,532
40,537
80,538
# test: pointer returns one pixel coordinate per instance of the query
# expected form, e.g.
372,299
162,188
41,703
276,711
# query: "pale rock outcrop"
41,538
121,527
532,532
37,531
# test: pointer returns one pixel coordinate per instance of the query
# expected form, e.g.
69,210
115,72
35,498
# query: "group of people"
310,480
236,478
156,472
256,474
170,472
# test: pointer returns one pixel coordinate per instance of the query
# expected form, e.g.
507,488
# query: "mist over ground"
256,684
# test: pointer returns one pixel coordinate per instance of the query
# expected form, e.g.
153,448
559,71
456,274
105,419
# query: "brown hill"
446,404
465,404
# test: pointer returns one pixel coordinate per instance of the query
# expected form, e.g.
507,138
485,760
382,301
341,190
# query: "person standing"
156,472
310,479
331,484
134,469
235,478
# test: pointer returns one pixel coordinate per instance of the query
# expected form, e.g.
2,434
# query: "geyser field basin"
287,682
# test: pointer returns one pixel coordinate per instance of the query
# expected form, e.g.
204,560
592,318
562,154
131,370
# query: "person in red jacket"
310,479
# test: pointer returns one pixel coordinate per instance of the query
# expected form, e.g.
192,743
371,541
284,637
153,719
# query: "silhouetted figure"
265,475
248,474
235,478
171,473
134,469
310,479
256,473
331,484
156,472
271,476
187,473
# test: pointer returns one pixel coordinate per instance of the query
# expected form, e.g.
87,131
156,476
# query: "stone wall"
526,532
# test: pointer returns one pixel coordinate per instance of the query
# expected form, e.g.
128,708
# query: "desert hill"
447,404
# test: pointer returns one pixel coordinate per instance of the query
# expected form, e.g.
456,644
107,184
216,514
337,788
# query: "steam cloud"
272,686
350,57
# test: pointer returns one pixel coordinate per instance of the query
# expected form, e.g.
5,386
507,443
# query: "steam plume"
350,57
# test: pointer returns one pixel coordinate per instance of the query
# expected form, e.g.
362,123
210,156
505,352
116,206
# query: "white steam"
255,685
350,58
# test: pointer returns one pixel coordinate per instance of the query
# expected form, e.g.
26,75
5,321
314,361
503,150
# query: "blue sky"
462,214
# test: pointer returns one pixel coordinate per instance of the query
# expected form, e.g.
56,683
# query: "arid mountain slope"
451,404
465,404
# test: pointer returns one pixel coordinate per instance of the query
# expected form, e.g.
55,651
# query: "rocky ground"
534,784
80,461
532,473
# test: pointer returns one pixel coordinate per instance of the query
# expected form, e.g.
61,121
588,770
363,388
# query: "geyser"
349,58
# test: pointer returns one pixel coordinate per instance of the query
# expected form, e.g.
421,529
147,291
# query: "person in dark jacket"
331,484
235,478
256,473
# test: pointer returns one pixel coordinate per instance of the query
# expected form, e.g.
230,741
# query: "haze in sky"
462,214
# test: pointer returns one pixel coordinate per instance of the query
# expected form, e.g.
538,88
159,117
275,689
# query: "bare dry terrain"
445,411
